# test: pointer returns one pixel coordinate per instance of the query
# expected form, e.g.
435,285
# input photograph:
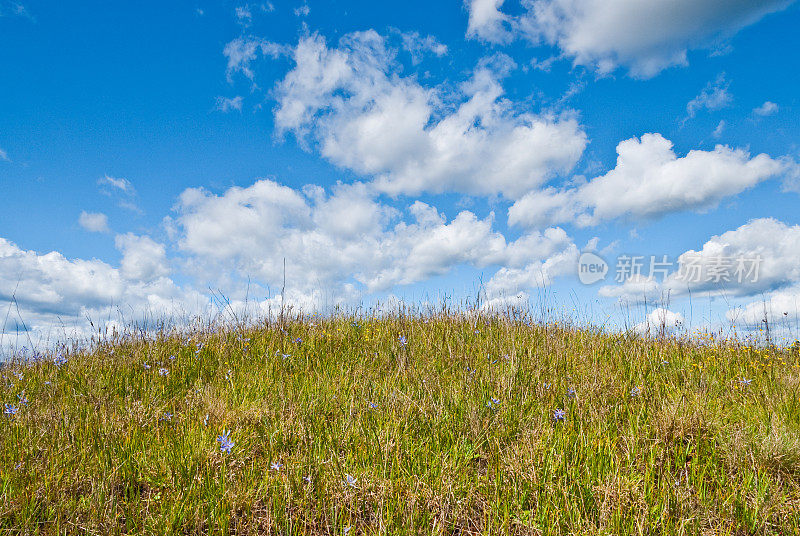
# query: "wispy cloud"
419,46
768,108
16,9
120,189
225,104
713,97
95,222
246,13
121,184
243,50
244,16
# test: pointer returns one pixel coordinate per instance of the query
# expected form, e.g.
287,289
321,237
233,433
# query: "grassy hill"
401,425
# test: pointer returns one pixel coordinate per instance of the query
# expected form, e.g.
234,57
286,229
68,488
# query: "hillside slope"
402,425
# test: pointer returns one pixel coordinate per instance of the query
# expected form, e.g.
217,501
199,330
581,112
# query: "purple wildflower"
225,443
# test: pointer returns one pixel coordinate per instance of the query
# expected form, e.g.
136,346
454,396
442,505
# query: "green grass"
694,452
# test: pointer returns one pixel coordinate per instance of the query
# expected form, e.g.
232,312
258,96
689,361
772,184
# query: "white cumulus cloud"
53,292
343,240
352,104
660,321
636,288
487,22
758,259
759,256
643,36
781,309
143,259
650,180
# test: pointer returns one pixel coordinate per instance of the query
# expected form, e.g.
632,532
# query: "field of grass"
402,425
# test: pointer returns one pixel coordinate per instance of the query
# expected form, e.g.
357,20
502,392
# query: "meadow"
402,424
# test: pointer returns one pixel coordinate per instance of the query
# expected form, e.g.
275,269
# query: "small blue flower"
745,383
402,340
276,466
11,409
225,443
146,366
22,398
636,391
297,340
350,481
570,393
19,375
373,405
60,360
559,415
172,358
163,371
167,416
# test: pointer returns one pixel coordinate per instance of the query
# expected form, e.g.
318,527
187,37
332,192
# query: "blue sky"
164,149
